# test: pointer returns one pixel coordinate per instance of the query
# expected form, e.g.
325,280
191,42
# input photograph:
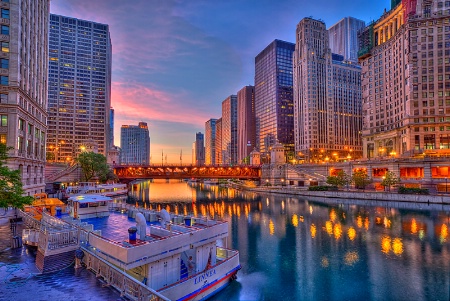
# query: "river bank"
375,198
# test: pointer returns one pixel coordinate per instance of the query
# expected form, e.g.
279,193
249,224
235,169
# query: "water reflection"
310,250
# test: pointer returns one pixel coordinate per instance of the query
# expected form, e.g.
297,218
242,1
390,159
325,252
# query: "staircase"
183,270
56,262
59,173
308,173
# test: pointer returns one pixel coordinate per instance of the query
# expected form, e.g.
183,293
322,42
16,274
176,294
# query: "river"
291,248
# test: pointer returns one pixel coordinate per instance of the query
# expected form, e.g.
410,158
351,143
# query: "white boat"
88,206
111,190
181,258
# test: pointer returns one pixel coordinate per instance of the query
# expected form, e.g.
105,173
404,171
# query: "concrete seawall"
377,197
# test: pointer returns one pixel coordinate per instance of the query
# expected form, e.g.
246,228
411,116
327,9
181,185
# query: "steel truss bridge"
243,172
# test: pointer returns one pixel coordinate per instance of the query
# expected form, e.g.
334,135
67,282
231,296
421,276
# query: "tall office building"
111,129
229,130
327,98
246,126
219,152
23,87
405,59
210,142
274,110
198,151
135,144
343,37
79,94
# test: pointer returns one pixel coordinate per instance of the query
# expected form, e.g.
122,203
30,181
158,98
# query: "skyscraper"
210,142
79,94
199,150
343,38
327,98
219,152
135,144
229,130
246,126
23,88
274,110
406,80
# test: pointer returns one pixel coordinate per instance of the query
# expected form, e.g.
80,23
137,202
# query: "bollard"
132,234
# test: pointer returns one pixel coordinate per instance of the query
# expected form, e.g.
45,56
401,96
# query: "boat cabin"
88,206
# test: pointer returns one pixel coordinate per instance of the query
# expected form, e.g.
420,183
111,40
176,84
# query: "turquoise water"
291,248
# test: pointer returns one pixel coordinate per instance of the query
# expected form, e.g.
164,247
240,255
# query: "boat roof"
90,198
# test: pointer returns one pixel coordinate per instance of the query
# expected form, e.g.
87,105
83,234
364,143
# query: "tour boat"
42,202
179,257
111,190
88,205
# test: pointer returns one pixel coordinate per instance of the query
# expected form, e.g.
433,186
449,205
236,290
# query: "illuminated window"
4,46
3,138
4,120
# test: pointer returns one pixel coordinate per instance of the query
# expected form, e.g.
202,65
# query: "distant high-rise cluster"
198,150
306,97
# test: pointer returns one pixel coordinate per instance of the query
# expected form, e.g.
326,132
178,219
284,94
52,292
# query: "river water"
291,248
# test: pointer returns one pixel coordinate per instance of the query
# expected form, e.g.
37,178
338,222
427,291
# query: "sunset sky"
175,61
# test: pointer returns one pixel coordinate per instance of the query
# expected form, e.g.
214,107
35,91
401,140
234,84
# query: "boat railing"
29,219
125,284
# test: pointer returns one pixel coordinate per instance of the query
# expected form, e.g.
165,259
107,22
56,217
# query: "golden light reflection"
385,244
295,220
203,210
310,210
414,226
351,257
444,233
168,208
313,230
302,219
366,223
238,211
329,227
359,221
337,231
271,228
230,211
332,215
386,222
351,232
397,246
324,262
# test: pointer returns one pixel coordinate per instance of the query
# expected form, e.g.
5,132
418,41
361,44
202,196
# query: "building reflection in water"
284,234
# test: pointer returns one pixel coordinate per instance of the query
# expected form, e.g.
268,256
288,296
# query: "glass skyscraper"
229,130
135,144
210,142
274,109
343,37
79,81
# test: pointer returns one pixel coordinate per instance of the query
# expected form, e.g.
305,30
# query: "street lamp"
326,162
282,182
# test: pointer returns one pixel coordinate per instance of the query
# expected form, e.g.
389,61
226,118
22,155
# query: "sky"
175,61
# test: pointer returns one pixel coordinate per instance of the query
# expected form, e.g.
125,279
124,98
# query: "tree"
11,189
361,179
339,180
389,179
93,166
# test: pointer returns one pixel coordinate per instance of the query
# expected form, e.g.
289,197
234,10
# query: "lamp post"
326,162
282,182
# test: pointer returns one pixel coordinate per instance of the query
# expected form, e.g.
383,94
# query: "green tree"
340,179
93,166
361,179
390,179
11,189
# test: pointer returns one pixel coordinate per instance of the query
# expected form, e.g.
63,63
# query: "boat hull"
203,285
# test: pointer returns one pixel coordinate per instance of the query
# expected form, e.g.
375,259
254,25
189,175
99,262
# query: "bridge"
132,172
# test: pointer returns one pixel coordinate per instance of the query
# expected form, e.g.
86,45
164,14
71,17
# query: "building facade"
23,88
135,144
79,94
274,111
210,142
219,152
327,98
229,130
343,37
405,58
199,150
246,125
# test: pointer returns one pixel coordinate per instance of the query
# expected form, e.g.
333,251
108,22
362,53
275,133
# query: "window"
3,98
5,29
5,46
5,13
21,124
4,63
3,138
20,144
4,80
4,120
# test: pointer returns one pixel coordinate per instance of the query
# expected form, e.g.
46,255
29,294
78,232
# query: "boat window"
93,204
83,205
102,203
